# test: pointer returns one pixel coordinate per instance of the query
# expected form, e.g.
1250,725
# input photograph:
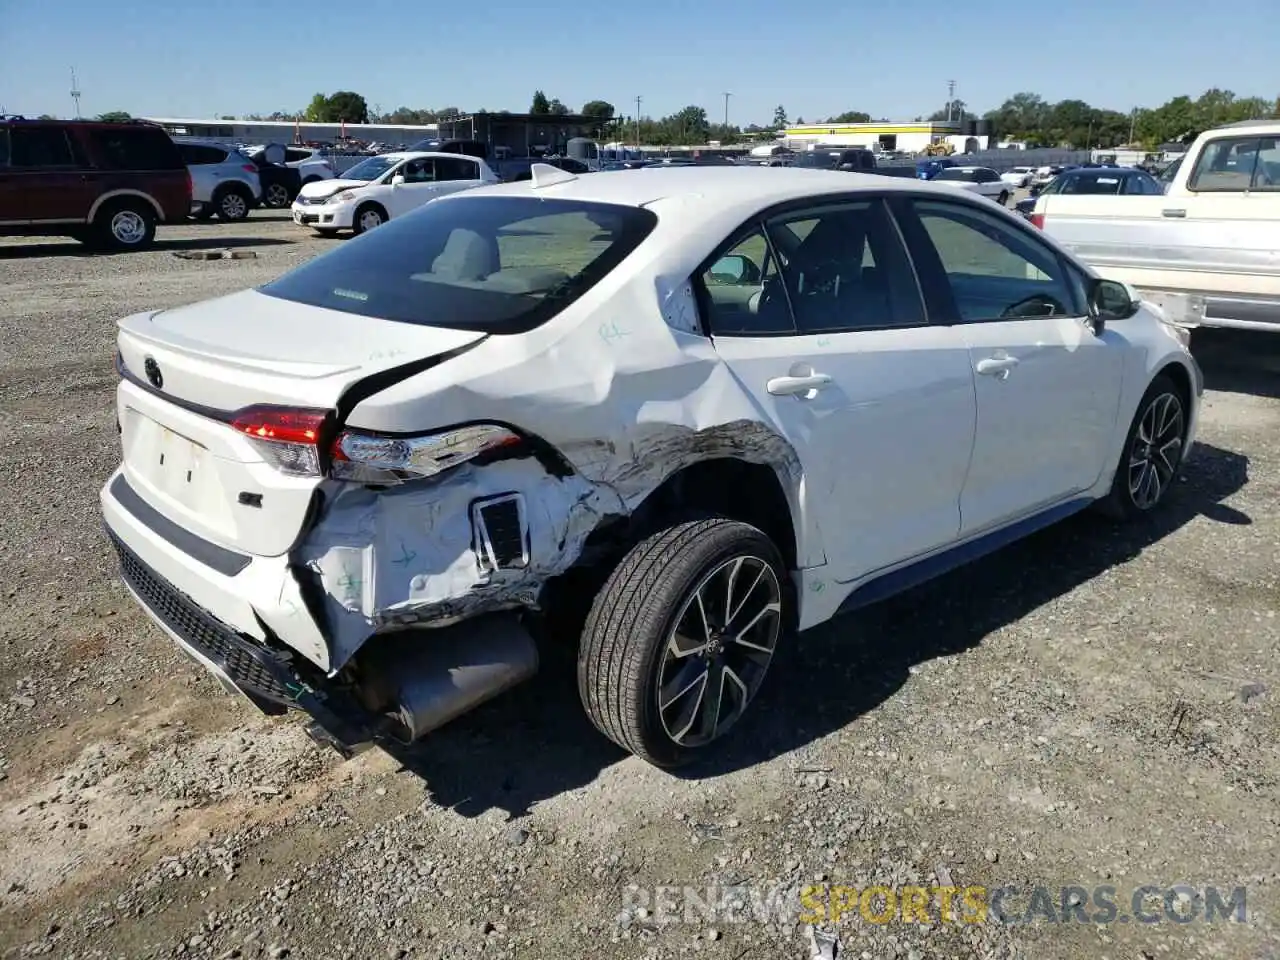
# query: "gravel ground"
1092,706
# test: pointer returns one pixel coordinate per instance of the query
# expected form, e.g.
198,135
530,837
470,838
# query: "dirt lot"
1091,707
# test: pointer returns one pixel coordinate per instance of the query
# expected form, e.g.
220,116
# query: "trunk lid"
181,453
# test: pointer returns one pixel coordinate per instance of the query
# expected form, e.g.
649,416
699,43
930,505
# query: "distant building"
910,137
521,134
290,131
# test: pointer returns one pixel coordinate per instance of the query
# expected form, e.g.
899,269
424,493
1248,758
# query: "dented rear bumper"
448,555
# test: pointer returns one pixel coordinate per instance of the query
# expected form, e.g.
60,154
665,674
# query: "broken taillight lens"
369,458
287,438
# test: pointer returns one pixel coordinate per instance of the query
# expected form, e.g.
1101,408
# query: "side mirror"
1112,300
735,269
397,180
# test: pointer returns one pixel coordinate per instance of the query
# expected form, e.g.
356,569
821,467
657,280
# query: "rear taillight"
1037,220
291,440
249,168
191,186
369,458
288,439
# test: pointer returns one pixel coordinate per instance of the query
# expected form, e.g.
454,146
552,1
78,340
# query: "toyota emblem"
152,370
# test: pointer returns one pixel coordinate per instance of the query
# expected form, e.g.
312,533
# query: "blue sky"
189,58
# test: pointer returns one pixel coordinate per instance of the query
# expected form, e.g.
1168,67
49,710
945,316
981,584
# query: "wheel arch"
749,491
114,195
1181,376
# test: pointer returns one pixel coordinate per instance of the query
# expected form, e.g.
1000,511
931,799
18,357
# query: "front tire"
1153,451
368,217
681,636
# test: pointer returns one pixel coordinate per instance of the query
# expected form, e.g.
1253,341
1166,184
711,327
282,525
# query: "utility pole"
638,99
75,92
726,109
951,98
1133,119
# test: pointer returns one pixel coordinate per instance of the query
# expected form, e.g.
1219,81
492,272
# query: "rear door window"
845,269
494,264
293,156
40,147
132,149
196,154
456,168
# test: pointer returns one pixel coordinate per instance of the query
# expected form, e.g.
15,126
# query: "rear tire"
276,196
1152,453
125,225
1004,197
668,631
232,204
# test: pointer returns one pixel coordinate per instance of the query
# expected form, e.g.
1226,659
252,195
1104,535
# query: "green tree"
114,116
541,106
850,116
598,109
318,109
779,117
335,107
349,106
959,112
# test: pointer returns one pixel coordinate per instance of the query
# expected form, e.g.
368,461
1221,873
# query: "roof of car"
719,185
417,154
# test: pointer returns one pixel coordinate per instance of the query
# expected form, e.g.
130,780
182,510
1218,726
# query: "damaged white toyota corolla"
716,404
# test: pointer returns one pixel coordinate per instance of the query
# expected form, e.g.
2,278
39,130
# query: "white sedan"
1019,177
384,187
681,398
983,181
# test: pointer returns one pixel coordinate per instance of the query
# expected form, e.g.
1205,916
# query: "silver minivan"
224,182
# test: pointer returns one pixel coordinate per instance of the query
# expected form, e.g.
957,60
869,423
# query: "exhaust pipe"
425,678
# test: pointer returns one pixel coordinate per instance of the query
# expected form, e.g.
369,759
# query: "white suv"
713,406
224,182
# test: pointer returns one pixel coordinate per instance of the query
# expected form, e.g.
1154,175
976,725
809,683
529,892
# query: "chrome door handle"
797,386
1173,213
997,367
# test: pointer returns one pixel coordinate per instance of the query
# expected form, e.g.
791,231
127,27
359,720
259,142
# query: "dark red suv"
105,184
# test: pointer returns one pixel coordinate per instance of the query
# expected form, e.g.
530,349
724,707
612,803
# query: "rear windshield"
1085,183
497,264
819,160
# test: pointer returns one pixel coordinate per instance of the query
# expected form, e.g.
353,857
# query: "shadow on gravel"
1239,361
73,249
535,742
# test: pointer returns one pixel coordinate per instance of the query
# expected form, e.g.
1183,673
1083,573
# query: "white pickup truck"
1208,250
